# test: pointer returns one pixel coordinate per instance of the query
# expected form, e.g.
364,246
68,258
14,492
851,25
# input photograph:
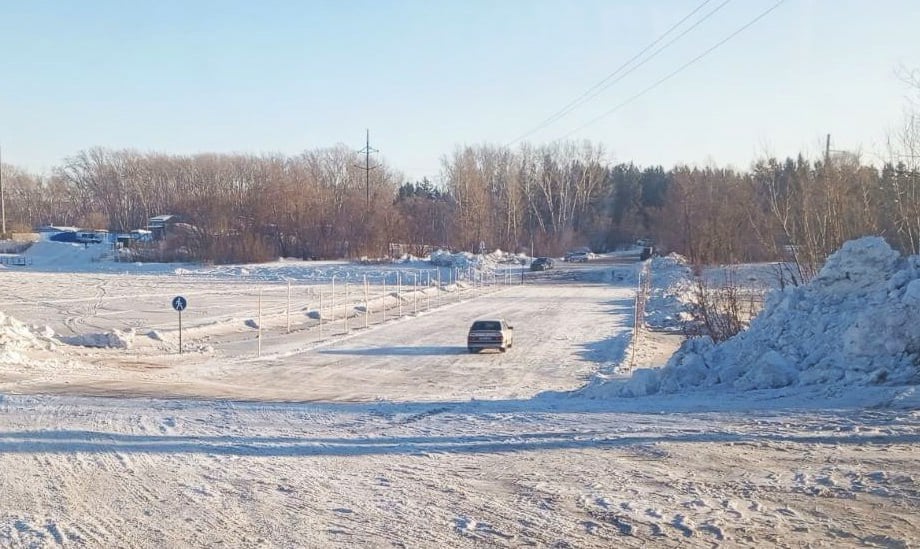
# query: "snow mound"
856,324
671,292
17,338
482,262
116,339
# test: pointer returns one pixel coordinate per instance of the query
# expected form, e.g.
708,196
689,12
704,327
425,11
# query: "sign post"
179,303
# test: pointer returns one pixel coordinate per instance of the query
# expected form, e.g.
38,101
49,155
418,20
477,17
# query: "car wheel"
502,349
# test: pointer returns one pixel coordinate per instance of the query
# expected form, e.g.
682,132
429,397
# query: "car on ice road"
490,334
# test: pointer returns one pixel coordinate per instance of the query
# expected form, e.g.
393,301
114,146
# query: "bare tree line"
542,200
545,200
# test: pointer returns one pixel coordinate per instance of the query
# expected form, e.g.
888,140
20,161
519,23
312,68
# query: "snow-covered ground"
341,436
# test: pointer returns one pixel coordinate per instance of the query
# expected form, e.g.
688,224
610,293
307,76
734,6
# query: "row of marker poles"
417,287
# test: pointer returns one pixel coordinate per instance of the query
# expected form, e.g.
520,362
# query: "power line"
675,72
596,89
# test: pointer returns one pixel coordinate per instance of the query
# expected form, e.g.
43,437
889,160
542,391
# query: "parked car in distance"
542,264
578,257
490,334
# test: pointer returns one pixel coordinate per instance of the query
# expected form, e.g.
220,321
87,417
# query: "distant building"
160,225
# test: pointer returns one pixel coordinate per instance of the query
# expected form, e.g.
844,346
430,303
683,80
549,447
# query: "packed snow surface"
288,423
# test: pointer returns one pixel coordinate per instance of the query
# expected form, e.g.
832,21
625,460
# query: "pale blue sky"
426,76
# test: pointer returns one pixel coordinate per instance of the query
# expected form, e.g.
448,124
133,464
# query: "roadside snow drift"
17,338
670,292
857,323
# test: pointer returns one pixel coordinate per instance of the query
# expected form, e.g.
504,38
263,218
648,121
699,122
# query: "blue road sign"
179,303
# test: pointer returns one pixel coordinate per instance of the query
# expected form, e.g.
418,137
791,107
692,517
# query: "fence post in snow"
345,307
289,308
428,291
320,314
332,311
440,288
398,291
259,337
367,308
384,306
415,301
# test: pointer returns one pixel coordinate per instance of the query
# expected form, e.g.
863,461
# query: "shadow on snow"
101,442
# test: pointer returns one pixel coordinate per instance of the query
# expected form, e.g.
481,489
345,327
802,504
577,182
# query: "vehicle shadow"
420,350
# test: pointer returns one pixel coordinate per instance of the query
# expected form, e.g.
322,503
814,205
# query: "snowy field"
335,435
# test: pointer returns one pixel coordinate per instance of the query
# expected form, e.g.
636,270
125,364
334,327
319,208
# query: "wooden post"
259,337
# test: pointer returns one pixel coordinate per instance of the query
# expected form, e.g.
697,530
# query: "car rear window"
486,325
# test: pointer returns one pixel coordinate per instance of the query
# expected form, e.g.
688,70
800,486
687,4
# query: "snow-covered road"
534,472
395,436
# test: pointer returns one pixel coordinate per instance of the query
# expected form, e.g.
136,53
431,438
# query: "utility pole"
367,150
827,153
2,197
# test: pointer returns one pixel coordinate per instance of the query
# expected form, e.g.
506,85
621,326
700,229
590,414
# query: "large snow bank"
857,323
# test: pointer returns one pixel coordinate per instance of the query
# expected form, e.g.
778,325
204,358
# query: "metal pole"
260,322
428,291
367,308
415,304
440,288
332,314
321,314
3,203
345,308
384,307
398,291
289,308
180,331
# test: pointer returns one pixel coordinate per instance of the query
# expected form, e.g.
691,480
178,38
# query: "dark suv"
542,264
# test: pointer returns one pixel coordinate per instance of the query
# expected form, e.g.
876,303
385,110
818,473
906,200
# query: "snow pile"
116,339
857,323
671,292
459,260
507,258
17,338
483,262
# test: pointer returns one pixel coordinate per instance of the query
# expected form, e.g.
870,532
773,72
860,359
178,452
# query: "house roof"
162,218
